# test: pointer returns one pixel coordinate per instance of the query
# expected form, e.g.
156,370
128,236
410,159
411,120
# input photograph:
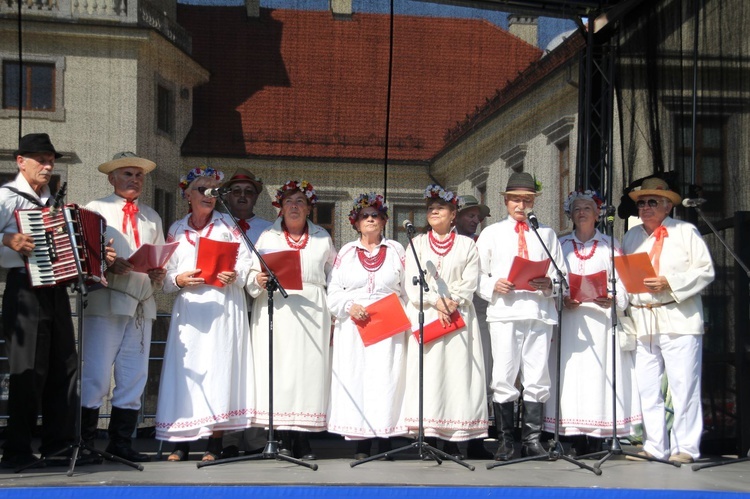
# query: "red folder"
387,318
522,271
435,330
633,269
152,256
213,257
287,266
588,287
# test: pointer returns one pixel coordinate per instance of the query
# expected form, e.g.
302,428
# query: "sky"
548,27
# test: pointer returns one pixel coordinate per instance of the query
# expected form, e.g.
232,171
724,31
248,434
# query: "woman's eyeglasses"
365,216
652,203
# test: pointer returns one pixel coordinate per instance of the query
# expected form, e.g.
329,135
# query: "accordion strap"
24,195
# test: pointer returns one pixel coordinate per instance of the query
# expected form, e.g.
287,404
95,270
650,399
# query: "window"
416,213
710,161
164,109
164,206
322,215
37,82
34,89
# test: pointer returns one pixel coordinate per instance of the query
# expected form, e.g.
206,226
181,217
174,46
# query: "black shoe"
229,451
360,456
19,461
452,449
127,453
532,448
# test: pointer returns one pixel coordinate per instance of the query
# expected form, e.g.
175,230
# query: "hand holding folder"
633,269
152,256
287,267
213,257
522,271
386,318
435,329
588,287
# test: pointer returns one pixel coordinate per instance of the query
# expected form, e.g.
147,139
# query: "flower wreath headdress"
366,200
588,194
303,186
200,171
436,191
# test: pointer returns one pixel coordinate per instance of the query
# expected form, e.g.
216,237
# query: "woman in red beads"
585,345
302,324
204,390
455,395
367,386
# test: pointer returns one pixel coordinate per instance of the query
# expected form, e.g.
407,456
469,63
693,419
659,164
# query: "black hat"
34,143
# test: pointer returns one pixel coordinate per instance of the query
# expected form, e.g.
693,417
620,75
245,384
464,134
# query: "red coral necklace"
372,263
301,243
441,248
583,245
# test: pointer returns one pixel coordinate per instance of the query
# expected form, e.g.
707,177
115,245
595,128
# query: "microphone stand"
615,449
555,450
426,451
697,467
79,287
271,450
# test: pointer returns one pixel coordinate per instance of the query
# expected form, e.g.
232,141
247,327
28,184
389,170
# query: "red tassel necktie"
130,210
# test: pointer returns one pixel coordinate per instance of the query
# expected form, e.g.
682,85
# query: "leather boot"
89,429
532,429
122,424
504,414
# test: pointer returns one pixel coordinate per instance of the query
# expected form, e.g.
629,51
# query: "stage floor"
406,475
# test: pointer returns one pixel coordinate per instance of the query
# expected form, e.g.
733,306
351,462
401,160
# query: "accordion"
69,241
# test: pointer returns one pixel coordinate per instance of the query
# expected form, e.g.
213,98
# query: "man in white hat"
470,216
520,321
669,322
119,317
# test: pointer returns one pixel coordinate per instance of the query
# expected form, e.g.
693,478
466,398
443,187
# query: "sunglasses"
240,192
652,203
365,216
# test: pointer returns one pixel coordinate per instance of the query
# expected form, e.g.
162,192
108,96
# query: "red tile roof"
299,84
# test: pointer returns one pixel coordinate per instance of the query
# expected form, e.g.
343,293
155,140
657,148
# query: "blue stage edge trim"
349,492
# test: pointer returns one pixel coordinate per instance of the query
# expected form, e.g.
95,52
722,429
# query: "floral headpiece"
303,186
366,200
435,191
200,171
589,194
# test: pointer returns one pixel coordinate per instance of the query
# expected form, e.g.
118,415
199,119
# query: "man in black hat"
37,322
520,321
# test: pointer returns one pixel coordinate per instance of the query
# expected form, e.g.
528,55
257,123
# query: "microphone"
609,215
409,226
58,201
692,203
213,192
532,220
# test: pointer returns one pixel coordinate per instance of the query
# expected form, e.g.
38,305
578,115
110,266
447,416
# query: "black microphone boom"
214,192
409,226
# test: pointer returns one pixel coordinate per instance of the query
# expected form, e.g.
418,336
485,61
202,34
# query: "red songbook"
633,269
387,318
435,330
287,266
523,270
588,287
213,257
152,256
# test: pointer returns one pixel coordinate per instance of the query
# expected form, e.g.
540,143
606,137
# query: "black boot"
504,414
122,424
475,450
532,429
452,449
89,429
